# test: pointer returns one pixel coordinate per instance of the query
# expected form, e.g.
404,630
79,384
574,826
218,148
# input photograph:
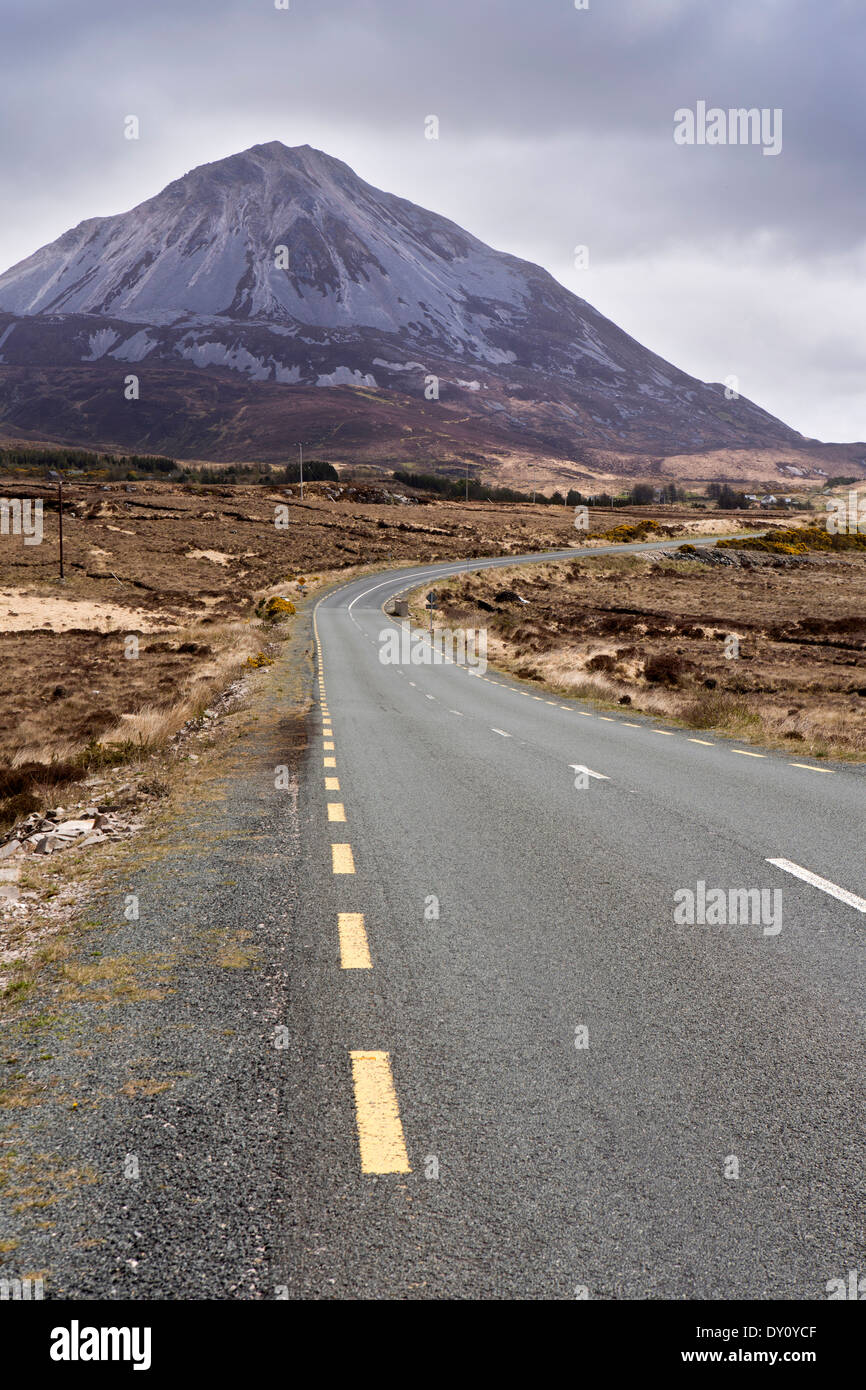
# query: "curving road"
519,1072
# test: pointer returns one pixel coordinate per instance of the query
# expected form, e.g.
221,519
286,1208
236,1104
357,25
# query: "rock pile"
49,833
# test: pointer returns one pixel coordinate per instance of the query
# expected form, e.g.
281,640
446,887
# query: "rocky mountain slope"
258,287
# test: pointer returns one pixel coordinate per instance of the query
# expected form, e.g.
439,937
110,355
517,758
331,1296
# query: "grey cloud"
556,124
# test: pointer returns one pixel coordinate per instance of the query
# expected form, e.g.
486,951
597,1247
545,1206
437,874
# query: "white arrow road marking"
500,731
823,883
579,767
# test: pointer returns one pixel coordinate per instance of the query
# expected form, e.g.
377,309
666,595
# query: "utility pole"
301,456
59,477
467,482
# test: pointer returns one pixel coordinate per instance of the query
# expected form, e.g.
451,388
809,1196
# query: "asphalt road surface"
524,1075
431,1021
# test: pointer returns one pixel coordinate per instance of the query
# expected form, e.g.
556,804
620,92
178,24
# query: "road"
420,1018
518,1074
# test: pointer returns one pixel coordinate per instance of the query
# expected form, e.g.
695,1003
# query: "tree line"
642,494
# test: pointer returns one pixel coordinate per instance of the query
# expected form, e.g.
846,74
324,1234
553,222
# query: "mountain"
275,291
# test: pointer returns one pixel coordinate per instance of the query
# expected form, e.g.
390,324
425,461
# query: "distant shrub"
719,709
664,669
602,662
277,608
628,531
794,540
16,807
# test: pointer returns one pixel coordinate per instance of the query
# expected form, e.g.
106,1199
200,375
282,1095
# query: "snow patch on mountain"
346,376
99,343
399,366
209,354
134,349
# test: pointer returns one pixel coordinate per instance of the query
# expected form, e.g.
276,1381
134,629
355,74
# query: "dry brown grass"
137,563
651,635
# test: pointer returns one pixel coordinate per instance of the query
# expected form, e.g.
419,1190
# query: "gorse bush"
275,610
793,540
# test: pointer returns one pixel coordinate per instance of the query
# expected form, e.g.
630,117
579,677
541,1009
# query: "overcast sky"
555,131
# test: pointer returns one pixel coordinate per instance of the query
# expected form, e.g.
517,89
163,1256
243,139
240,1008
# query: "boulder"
70,829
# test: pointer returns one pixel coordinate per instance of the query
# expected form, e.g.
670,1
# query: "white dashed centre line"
579,767
500,731
824,884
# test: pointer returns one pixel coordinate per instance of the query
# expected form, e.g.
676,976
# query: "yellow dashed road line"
380,1131
354,949
810,768
332,784
342,861
328,746
704,741
744,753
329,762
336,810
